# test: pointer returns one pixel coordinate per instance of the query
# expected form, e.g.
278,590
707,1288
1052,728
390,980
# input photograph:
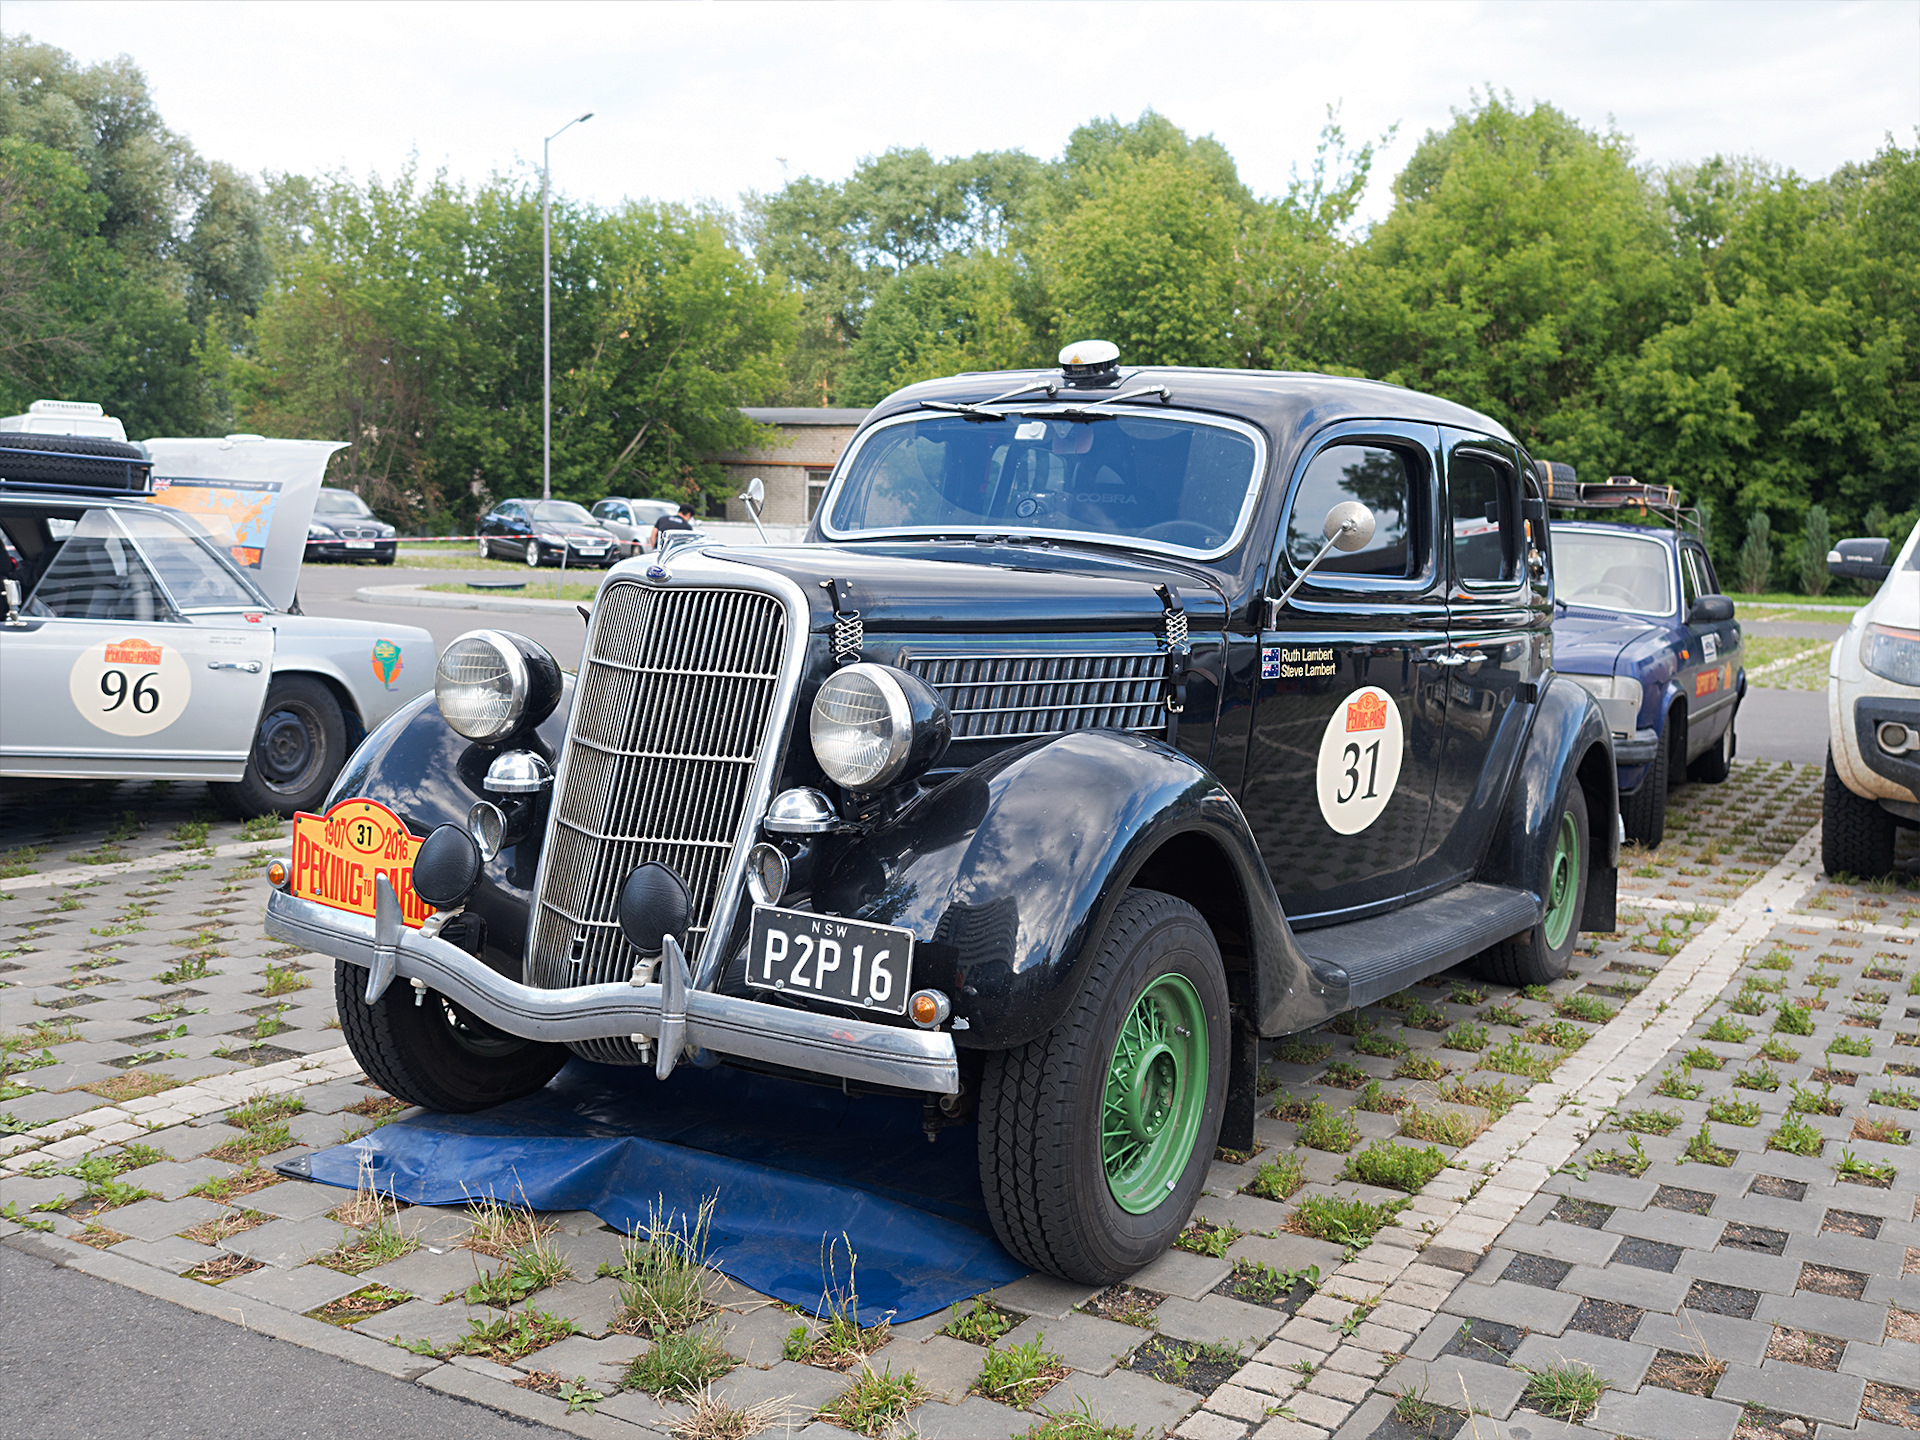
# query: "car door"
1349,710
1499,647
1711,670
516,525
101,675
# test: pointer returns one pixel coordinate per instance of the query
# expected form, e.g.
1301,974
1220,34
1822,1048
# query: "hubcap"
1563,881
533,552
289,748
1155,1092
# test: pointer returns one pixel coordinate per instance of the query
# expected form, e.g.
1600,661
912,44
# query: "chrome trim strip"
1256,482
694,570
853,1049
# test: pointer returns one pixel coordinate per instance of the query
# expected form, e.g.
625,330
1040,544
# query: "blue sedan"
1641,624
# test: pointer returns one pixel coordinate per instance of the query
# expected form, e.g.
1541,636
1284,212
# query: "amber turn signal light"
277,874
927,1008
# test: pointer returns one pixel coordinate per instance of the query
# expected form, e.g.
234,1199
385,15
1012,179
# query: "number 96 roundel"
130,686
1359,760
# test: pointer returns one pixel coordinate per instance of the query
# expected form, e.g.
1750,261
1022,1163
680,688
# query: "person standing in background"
667,523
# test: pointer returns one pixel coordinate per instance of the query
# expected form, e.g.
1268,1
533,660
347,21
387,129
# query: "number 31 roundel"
1359,760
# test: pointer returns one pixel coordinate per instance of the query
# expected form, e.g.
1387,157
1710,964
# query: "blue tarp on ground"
793,1168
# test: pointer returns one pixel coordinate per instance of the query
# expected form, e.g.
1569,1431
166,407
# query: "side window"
1380,477
1703,569
1482,504
98,575
1689,580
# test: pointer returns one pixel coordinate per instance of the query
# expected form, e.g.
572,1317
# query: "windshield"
1613,572
1173,481
564,511
99,571
342,502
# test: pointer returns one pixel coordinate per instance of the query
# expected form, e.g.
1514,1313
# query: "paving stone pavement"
1462,1200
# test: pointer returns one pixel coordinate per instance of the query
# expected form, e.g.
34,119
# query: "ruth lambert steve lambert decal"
130,686
1359,760
337,855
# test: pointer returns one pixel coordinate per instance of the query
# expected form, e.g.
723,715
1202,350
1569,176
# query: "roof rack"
1617,492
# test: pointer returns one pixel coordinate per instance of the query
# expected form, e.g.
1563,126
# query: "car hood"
966,588
255,498
1590,641
354,522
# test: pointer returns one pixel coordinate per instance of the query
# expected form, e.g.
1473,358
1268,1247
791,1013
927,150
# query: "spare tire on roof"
88,460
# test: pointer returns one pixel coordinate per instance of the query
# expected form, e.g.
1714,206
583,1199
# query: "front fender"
1568,744
428,774
1008,873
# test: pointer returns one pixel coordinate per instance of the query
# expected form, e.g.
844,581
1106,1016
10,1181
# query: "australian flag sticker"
1270,662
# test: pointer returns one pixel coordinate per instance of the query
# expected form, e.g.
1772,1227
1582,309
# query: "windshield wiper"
983,409
1086,413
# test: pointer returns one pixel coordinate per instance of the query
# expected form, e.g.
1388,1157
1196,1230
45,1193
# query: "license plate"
337,855
359,544
849,962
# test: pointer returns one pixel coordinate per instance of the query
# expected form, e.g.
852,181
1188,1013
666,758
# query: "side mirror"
1860,560
1710,610
1349,527
755,496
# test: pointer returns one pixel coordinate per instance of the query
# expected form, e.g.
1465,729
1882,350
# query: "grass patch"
225,1189
1650,1122
1679,1085
1440,1127
1566,1392
1328,1129
1633,1161
525,1271
1761,1076
1278,1178
1381,1045
1344,1076
1805,1101
283,980
663,1273
1589,1008
1725,1110
362,1304
1465,1036
1261,1284
1296,1051
1701,1058
1419,1067
1878,1173
1079,1423
1777,1049
1020,1374
1495,1098
982,1325
1881,1132
1344,1222
1394,1167
679,1365
1514,1057
1725,1031
1899,1098
1376,1099
512,1337
220,1227
1791,1019
1702,1150
1850,1045
498,1230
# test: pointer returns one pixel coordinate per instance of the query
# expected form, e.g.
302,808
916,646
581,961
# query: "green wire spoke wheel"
1563,882
1155,1094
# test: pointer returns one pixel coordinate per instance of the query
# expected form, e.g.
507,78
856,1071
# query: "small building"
795,467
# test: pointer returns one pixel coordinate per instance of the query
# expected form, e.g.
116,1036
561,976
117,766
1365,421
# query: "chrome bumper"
824,1044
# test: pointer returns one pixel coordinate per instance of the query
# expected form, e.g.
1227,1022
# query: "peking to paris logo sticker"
1359,760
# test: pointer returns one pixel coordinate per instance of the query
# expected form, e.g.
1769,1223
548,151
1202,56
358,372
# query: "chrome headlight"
490,683
1619,698
874,726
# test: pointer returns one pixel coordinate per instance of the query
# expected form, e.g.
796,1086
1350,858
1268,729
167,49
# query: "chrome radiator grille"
669,715
1020,697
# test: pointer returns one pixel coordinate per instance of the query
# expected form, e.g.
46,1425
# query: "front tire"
1717,764
299,745
1540,955
486,550
1095,1138
1856,835
435,1054
1644,813
532,556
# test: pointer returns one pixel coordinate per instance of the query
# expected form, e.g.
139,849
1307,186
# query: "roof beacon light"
1091,364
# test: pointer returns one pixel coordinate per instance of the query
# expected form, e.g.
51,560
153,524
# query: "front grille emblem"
658,574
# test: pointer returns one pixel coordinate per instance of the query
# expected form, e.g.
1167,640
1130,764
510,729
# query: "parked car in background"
546,532
632,521
1873,712
343,528
1641,624
1080,747
147,623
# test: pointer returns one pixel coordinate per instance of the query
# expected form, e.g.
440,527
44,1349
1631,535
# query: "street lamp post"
546,305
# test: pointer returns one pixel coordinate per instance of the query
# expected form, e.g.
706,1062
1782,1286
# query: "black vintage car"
1109,721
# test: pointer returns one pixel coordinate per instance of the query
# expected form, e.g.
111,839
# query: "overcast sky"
698,101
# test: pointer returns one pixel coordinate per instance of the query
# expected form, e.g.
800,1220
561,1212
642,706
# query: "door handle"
252,667
1449,658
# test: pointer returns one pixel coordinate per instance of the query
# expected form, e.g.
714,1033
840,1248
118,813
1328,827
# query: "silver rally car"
148,623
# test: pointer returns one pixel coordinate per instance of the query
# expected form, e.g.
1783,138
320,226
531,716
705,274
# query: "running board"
1389,952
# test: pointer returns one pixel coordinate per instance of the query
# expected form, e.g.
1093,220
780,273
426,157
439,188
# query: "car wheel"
1714,766
1644,812
1540,955
486,549
435,1053
532,555
1856,835
298,748
1095,1139
383,559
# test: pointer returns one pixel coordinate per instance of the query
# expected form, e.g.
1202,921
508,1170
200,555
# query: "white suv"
1873,712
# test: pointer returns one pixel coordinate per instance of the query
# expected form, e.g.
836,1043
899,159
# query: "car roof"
1290,404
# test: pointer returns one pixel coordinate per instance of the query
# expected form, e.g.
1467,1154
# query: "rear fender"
1568,744
1008,873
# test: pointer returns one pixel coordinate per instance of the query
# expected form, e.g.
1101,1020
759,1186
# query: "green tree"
1756,554
1814,545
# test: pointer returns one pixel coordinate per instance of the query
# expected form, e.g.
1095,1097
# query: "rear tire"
435,1054
299,745
1540,955
1856,835
1714,766
1644,813
1095,1139
532,555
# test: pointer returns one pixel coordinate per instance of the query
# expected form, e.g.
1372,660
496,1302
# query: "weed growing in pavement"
663,1272
1566,1392
362,1304
1727,1032
1079,1423
498,1229
1850,1045
1516,1058
1650,1122
1419,1067
1416,1412
1298,1051
1778,1049
1507,1012
1725,1110
713,1418
1376,1099
1750,1001
1384,1046
1395,1167
1701,1058
1203,1238
1804,1101
1443,1127
1791,1019
1775,960
1584,1007
194,967
1881,1132
1278,1178
233,1222
981,1325
1020,1374
222,1268
1679,1085
1344,1076
512,1336
283,980
1760,1076
1262,1284
1495,1098
1560,1034
1126,1305
1633,1161
678,1365
1465,1036
1878,1173
1702,1150
1898,1097
1344,1222
12,1211
841,1341
1328,1129
528,1269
